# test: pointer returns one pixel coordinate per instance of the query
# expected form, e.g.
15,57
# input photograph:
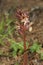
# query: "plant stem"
25,56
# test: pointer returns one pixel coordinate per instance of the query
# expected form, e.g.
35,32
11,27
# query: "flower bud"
30,29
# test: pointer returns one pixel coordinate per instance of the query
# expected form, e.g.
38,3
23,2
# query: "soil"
36,34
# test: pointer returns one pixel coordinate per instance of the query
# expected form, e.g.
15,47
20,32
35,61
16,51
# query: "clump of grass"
5,29
35,47
38,49
16,47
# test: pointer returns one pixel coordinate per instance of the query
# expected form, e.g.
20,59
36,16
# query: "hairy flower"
24,22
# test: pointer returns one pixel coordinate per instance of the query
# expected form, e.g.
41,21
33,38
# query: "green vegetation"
41,56
17,47
35,47
1,52
6,32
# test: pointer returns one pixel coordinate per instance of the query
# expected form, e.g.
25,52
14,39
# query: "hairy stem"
25,56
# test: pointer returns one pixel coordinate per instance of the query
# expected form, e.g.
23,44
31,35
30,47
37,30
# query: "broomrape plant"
23,26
